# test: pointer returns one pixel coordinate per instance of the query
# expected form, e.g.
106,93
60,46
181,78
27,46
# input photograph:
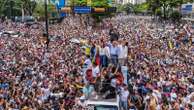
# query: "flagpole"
46,24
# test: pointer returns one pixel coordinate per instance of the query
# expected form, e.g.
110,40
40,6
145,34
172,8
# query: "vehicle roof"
89,102
102,101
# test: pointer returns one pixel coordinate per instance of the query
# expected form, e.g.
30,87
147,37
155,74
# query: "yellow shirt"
87,50
170,44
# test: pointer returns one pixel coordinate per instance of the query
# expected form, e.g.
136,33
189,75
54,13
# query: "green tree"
100,3
39,10
2,4
165,5
175,16
128,7
17,7
154,6
9,8
77,2
141,8
94,3
81,2
28,6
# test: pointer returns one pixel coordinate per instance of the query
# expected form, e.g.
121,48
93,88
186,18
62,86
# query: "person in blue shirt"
114,51
87,90
93,52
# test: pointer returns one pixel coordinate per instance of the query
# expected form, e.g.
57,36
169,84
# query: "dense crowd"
158,58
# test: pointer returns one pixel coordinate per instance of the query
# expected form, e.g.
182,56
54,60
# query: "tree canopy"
12,8
100,3
165,5
93,3
15,7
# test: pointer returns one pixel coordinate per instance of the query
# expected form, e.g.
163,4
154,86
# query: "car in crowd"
1,32
24,19
11,34
103,104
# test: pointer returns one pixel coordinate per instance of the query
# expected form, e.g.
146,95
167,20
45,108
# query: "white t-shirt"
46,92
88,63
123,51
173,96
95,71
102,51
124,95
107,51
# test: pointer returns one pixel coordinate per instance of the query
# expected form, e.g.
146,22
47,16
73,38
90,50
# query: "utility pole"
46,34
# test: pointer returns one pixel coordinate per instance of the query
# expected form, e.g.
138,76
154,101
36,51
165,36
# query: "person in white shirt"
86,66
96,74
123,53
124,97
114,51
95,70
107,53
103,56
87,62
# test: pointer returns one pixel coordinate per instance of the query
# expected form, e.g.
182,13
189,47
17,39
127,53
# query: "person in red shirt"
119,76
97,58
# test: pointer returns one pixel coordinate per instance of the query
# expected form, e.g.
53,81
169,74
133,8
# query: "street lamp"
46,34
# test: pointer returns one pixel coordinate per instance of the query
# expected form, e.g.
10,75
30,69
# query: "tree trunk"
30,9
23,14
164,9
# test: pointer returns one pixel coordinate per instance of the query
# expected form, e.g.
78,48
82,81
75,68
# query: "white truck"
103,104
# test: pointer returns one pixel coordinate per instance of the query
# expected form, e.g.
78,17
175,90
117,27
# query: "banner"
82,10
186,8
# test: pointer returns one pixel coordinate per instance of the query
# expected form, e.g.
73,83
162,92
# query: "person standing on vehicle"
114,50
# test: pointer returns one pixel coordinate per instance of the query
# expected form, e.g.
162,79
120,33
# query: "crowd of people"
158,58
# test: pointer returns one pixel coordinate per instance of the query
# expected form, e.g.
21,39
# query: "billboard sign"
82,10
186,8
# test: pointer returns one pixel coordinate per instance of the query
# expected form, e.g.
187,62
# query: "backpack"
136,100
